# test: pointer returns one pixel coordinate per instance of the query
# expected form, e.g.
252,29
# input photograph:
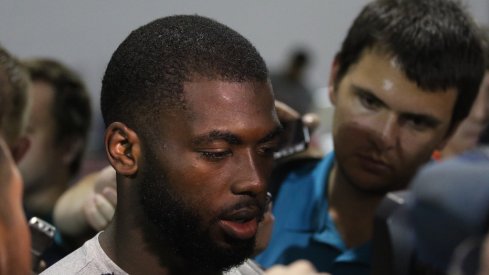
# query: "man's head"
14,233
14,104
406,75
191,124
59,122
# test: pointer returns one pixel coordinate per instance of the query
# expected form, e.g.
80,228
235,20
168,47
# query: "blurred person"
15,254
57,128
191,185
15,105
471,129
289,86
407,73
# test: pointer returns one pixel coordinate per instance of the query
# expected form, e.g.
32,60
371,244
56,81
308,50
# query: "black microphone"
42,236
449,205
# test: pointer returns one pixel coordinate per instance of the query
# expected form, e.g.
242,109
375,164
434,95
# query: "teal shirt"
304,230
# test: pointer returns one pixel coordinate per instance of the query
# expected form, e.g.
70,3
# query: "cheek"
199,181
351,131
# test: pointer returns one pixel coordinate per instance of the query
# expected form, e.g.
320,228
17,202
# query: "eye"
419,123
369,101
267,150
215,155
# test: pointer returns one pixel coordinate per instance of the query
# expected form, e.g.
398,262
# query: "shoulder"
88,259
71,264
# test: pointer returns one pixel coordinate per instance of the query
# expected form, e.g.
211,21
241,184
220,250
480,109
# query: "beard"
177,234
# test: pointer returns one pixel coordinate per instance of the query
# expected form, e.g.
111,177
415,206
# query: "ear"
332,83
123,148
20,148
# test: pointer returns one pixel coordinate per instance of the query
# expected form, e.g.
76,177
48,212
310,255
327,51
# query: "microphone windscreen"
449,203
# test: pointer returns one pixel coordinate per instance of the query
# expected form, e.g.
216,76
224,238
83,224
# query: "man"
289,86
406,75
57,128
14,105
15,257
191,130
468,134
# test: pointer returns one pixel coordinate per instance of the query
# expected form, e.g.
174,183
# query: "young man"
15,245
468,133
57,128
406,75
191,130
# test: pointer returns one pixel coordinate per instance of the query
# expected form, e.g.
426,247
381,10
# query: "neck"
351,209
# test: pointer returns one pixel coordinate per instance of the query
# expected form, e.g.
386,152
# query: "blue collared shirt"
304,230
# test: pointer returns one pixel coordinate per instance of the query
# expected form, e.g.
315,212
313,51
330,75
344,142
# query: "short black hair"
435,42
71,111
485,39
145,75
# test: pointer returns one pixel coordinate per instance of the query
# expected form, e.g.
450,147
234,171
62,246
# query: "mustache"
258,207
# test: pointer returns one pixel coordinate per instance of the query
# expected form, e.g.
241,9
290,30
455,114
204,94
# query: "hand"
285,113
300,267
99,206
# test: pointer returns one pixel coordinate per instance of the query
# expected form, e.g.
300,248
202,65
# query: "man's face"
43,157
384,125
204,177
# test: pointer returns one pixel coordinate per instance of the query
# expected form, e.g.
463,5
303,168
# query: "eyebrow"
273,134
230,137
428,119
359,90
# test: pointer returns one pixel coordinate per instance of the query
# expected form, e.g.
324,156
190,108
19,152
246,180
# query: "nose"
388,133
252,174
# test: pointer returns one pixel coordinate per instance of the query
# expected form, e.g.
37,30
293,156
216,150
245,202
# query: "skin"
216,154
381,137
42,186
15,257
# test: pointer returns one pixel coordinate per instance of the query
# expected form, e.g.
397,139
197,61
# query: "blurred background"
84,34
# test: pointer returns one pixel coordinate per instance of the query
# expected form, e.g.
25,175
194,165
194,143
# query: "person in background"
58,128
289,85
15,252
470,130
407,73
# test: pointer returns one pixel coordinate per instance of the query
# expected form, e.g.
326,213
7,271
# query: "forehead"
42,94
380,74
221,99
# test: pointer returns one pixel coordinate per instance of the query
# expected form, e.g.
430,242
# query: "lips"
374,164
241,224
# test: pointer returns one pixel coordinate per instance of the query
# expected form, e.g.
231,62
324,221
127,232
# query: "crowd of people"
193,118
